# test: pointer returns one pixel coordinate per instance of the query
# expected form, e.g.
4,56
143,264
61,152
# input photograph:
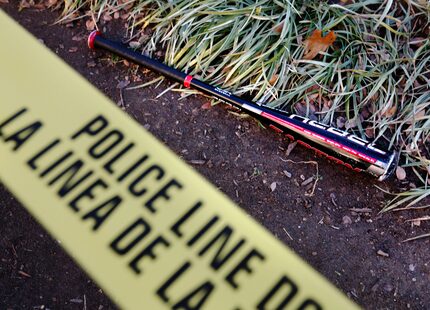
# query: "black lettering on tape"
108,166
222,255
32,161
134,186
176,227
310,304
243,266
22,135
140,228
56,163
148,252
283,286
196,298
202,231
133,167
72,180
87,193
11,118
162,291
93,127
100,213
163,193
106,144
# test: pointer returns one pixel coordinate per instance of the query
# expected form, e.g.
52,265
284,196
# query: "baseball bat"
338,145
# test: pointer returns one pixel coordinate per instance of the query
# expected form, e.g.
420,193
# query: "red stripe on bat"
333,143
187,81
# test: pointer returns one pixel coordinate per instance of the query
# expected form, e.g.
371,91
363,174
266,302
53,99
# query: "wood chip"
361,210
346,220
382,253
273,186
307,181
91,64
197,161
24,274
288,174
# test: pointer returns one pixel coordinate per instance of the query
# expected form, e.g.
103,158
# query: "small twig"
121,102
362,210
417,237
411,208
24,274
423,218
289,236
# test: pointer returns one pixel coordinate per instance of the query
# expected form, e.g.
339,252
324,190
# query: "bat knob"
92,37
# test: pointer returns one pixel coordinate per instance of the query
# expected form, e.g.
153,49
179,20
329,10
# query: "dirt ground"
337,230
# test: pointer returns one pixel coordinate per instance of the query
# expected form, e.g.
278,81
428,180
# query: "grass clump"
374,80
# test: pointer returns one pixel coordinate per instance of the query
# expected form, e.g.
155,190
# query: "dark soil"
333,230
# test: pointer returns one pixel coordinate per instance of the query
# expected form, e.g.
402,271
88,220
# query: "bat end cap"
92,37
392,165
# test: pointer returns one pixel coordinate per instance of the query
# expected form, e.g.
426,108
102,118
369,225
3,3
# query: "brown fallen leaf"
390,110
278,28
316,43
273,79
418,116
206,106
90,24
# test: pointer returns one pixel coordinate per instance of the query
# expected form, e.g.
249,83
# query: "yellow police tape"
151,231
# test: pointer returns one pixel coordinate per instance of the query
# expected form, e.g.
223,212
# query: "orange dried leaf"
206,106
273,79
278,28
90,24
317,43
391,111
